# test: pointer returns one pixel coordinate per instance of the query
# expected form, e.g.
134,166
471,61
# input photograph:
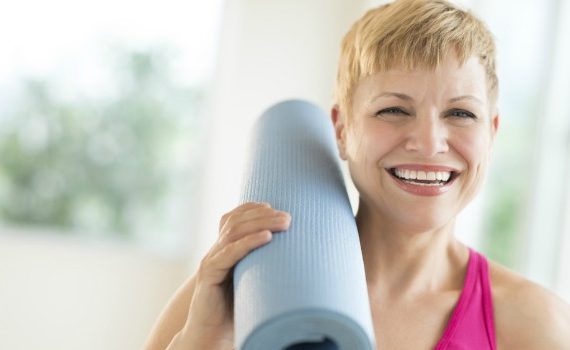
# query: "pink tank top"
471,323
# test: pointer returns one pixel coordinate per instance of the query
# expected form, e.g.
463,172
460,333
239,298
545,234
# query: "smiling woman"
415,119
419,121
410,103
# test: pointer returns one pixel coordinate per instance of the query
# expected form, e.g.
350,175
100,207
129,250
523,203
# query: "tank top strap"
487,300
471,324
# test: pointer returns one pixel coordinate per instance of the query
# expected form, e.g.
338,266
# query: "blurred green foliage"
502,231
95,164
509,189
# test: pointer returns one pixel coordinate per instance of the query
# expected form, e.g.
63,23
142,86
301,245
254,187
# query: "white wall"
59,293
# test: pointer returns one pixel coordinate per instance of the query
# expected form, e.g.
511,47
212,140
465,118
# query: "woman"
415,119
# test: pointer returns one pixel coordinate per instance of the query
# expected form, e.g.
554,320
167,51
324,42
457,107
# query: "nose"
427,136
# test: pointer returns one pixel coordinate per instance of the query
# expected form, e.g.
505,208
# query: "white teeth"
422,175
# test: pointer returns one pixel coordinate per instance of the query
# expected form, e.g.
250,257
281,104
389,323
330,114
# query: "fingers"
242,230
252,220
244,207
214,270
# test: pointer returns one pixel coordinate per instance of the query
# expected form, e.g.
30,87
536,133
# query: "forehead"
447,80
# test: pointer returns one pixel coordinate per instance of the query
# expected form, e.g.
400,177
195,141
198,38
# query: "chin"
425,221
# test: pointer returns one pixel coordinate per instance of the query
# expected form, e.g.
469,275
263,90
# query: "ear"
495,121
339,130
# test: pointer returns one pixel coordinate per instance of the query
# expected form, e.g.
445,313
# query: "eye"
460,113
392,111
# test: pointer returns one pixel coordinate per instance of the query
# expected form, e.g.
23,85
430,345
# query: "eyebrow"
393,94
465,97
409,98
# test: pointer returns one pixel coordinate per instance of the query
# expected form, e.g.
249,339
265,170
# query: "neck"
402,261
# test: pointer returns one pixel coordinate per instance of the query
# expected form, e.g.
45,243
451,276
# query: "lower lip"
422,190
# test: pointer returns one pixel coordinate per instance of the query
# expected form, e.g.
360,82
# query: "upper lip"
425,167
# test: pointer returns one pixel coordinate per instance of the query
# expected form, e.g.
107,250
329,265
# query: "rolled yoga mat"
306,289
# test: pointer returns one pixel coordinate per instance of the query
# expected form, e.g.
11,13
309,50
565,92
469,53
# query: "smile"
423,182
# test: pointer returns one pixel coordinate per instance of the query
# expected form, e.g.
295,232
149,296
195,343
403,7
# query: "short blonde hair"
411,34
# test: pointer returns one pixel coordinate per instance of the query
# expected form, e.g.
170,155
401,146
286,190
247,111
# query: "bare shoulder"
527,315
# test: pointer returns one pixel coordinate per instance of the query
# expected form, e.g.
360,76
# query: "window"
100,125
524,203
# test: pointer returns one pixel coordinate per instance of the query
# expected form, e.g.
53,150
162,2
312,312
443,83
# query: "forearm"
181,341
185,341
172,318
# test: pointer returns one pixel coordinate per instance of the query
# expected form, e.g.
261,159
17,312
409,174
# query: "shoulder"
527,316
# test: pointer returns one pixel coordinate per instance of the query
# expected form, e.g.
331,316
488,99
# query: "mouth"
423,178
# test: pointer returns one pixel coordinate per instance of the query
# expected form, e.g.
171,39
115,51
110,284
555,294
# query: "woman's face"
418,142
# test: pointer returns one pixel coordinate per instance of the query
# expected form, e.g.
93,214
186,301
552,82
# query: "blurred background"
123,128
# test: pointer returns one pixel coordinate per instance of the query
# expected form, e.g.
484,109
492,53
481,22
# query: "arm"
534,318
199,315
548,328
172,318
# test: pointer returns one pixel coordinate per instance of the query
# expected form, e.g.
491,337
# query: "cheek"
473,146
356,144
370,142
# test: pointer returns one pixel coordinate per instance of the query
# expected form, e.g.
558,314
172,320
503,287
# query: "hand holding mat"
306,289
209,323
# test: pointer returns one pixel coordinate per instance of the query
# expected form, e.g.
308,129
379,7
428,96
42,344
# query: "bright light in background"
40,38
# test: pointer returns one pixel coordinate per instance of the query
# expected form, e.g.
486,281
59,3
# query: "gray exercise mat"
306,289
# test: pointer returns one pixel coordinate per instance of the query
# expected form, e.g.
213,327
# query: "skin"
414,265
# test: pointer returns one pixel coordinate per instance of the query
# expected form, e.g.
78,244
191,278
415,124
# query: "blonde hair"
411,34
